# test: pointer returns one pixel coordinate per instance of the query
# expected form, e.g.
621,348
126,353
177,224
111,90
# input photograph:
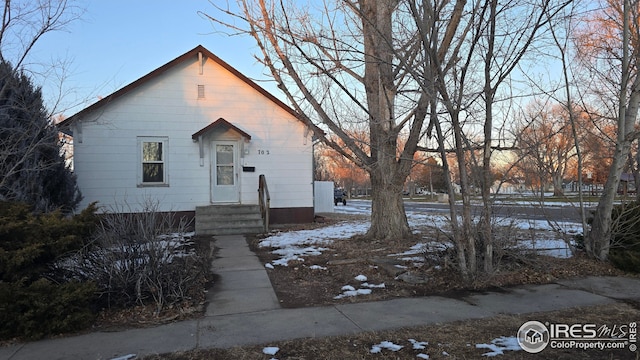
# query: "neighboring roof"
157,72
222,124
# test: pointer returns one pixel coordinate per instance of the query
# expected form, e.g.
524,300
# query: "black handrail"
265,201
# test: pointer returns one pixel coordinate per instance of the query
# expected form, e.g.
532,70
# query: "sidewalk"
244,310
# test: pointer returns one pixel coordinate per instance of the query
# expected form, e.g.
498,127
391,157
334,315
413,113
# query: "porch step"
228,220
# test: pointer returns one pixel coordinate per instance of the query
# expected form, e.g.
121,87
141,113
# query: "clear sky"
118,41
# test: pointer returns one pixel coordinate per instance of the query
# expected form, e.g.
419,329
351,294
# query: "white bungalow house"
194,136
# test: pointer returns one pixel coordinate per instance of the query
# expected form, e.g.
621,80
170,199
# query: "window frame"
164,140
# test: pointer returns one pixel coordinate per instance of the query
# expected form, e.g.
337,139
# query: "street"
518,211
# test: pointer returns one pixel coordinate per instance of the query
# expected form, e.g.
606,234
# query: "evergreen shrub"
625,237
36,299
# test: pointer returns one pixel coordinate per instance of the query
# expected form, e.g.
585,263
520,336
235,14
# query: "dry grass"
297,285
457,340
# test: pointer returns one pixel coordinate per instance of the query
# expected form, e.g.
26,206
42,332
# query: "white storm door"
224,172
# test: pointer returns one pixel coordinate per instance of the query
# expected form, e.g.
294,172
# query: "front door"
224,172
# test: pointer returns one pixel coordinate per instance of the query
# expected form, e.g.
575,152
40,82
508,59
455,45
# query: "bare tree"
421,68
342,64
31,166
549,140
610,50
469,77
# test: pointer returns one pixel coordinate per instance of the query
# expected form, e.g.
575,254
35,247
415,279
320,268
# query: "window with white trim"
153,161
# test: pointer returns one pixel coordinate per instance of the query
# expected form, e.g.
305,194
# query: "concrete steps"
228,220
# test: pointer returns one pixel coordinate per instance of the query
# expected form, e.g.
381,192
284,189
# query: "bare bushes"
515,242
142,258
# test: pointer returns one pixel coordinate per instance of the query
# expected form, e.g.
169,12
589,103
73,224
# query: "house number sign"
263,152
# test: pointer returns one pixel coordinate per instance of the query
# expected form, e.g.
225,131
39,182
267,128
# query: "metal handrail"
265,201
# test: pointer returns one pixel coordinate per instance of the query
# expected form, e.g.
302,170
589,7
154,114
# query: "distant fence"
323,196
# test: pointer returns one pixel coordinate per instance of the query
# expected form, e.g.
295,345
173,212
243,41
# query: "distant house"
509,186
193,133
627,184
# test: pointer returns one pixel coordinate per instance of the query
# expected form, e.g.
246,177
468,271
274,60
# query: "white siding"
106,160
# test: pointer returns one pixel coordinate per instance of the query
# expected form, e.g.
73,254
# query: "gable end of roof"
162,69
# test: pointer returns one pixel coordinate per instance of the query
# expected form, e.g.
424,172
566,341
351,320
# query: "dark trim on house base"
277,216
291,215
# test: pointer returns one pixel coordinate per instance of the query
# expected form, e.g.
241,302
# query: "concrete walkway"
243,285
244,310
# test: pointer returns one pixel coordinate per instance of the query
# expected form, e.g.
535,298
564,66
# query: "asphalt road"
518,211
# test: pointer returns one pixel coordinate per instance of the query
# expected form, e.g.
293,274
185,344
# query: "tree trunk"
598,241
557,184
459,237
388,218
467,229
486,233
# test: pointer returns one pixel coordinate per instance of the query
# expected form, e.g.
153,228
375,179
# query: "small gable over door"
220,124
226,143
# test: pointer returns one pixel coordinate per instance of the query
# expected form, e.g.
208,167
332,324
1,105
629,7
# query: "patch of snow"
552,247
317,267
418,345
422,356
375,349
348,288
444,353
413,258
294,245
373,286
546,240
268,266
293,253
270,350
315,236
353,209
349,293
414,250
500,345
125,357
361,278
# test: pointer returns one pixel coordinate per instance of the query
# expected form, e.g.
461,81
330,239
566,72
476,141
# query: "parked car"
339,196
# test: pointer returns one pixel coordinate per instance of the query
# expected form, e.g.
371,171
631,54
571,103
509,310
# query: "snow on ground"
497,347
270,350
296,245
538,203
377,348
500,345
545,234
125,357
418,345
361,278
349,291
365,289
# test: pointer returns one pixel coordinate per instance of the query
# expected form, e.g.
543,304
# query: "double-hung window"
153,161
